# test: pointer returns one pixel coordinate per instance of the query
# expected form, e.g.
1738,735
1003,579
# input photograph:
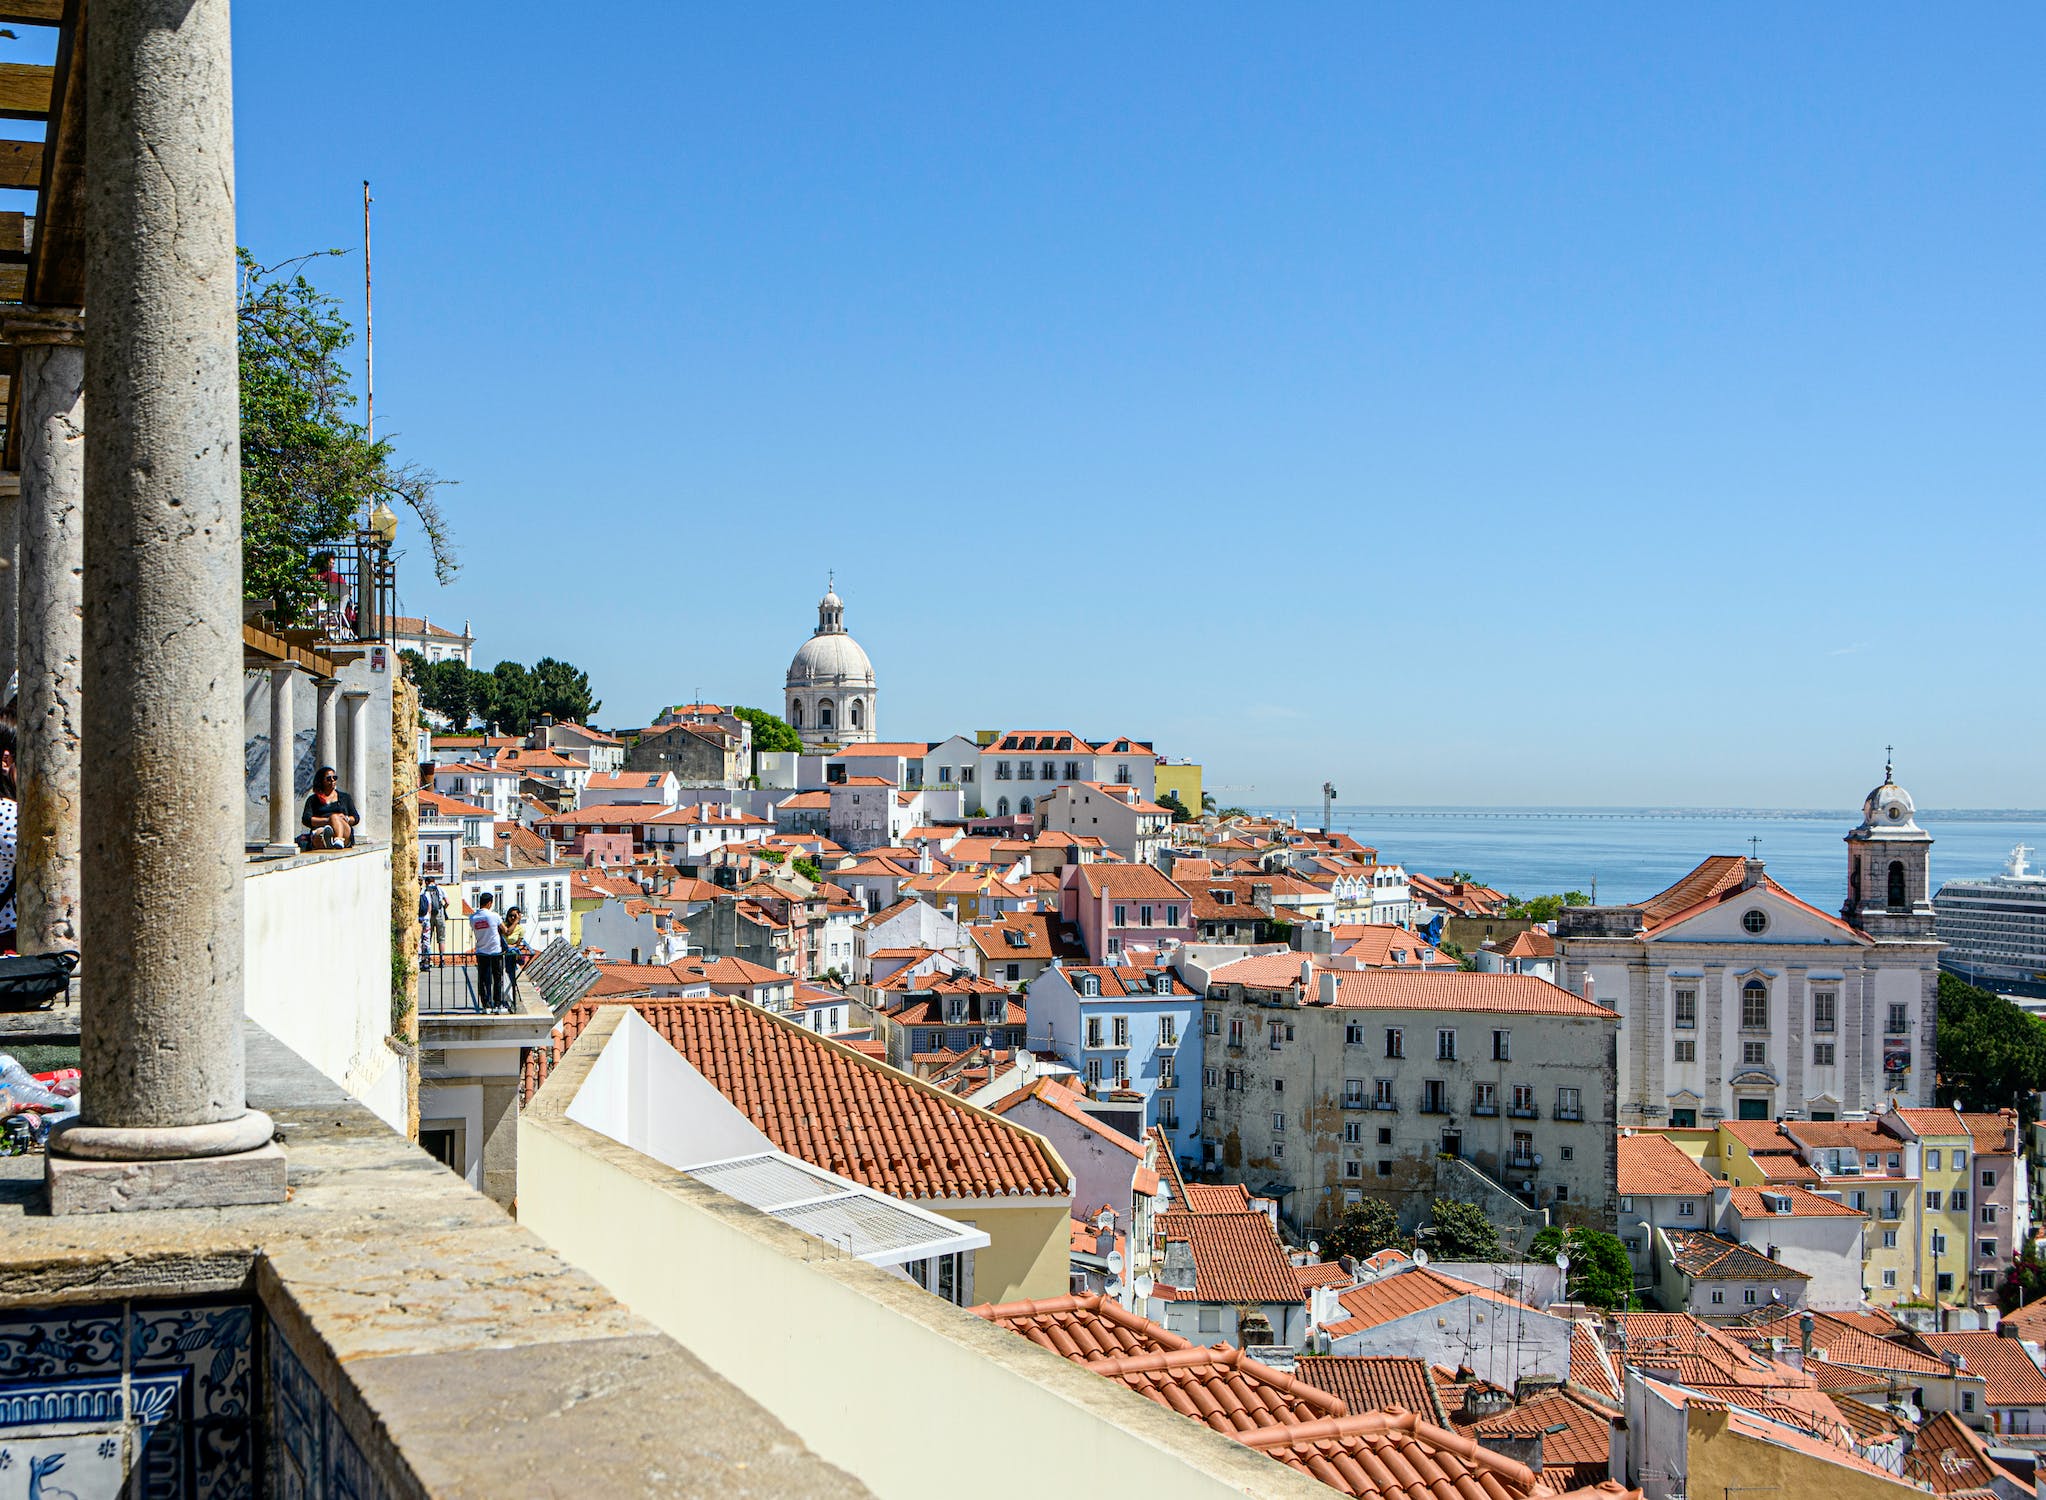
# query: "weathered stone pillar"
10,525
50,595
165,1121
283,758
357,772
325,736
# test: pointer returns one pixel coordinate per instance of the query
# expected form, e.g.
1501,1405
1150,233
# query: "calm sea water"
1633,853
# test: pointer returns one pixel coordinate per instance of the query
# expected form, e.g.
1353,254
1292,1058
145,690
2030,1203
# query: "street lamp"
383,523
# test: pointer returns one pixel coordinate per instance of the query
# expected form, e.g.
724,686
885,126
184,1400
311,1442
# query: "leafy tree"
808,869
1992,1055
1171,803
1463,877
1231,812
1542,908
1364,1229
308,471
1600,1273
1207,801
1462,1232
770,733
563,691
509,697
446,688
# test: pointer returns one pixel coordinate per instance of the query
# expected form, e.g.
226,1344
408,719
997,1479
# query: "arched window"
1024,806
1754,1006
795,713
824,713
1897,902
855,714
1001,807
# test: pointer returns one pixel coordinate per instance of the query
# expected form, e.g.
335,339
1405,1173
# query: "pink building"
1120,907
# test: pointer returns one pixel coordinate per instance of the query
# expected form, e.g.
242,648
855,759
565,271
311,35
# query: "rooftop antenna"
369,359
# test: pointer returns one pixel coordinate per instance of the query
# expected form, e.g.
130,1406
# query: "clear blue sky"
1470,404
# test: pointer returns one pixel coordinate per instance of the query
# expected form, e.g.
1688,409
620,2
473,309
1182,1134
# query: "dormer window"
1090,985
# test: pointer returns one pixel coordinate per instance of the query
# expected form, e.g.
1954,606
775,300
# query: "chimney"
1804,1333
1751,873
1480,1402
1588,991
1306,975
1328,989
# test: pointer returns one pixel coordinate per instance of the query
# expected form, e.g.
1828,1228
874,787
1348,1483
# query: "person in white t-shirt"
488,929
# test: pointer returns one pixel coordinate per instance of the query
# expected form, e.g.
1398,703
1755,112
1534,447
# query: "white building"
829,692
494,787
1127,822
1738,1000
635,788
434,642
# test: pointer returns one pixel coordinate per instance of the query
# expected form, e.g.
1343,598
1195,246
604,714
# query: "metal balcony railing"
357,583
1485,1109
557,975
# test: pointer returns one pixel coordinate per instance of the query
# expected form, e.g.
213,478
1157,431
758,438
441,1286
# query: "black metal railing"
357,581
452,983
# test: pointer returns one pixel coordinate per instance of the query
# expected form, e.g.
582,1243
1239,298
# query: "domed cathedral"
1889,868
830,690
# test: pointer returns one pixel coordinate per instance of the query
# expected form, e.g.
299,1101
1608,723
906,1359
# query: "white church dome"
834,659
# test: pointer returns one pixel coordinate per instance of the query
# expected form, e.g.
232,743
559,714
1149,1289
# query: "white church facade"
1737,1000
828,697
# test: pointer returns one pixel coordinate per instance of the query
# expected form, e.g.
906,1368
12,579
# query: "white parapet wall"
316,967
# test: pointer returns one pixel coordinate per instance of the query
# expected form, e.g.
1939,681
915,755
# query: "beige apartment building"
1322,1085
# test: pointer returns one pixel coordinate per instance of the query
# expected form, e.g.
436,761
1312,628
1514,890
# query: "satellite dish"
1538,1158
1115,1262
1314,1247
1026,1065
1563,1261
1114,1289
1914,1289
1143,1288
1774,1295
1420,1257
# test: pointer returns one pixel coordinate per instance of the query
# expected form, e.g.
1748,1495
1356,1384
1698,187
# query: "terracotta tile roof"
1701,1356
1033,927
1055,1095
1396,1296
1784,1431
1237,1257
1655,1166
442,805
1325,1273
1858,1135
1374,1382
1870,1424
620,814
2009,1376
1130,882
1129,983
1417,989
1591,1368
894,749
1389,1455
1580,1454
1718,879
1533,943
1215,1198
839,1109
707,815
1707,1257
2029,1321
1379,944
1799,1202
414,625
1948,1457
1846,1342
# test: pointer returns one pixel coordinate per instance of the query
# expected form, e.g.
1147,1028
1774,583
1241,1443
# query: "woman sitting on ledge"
329,813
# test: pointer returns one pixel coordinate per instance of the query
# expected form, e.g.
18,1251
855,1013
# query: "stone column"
325,736
1711,990
165,1121
283,758
50,597
357,772
10,526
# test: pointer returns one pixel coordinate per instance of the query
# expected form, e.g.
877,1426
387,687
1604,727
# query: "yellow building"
1183,779
1869,1168
1939,1149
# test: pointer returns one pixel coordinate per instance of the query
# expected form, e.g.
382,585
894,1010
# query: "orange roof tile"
1324,1273
1408,1292
1576,1435
2009,1376
1374,1382
1237,1257
1384,1455
837,1108
1948,1457
1655,1166
1416,989
1131,882
1708,1257
1849,1342
1801,1203
1590,1367
1055,1095
1215,1198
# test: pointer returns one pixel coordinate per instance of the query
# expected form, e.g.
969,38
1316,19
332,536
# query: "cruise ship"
1995,929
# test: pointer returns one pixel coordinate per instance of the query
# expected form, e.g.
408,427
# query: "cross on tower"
1755,846
1889,760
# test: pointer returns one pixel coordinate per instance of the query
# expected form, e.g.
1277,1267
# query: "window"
1236,1031
1890,1279
1166,1078
1278,1085
1093,1071
1353,1034
1384,1167
1755,922
1899,1021
1889,1243
1171,916
1957,1200
1687,1010
1168,1031
1895,894
1754,1006
1353,1169
1562,1192
1353,1133
1755,1054
1121,1025
1932,1200
1486,1100
1939,1243
1523,1149
1122,916
1569,1153
1143,916
1122,1072
1278,1122
1959,1160
1445,1045
1895,1162
1278,1030
1932,1158
1987,1213
1719,1296
1569,1105
1626,1204
1985,1249
1822,1054
1858,1202
1211,1320
1432,1097
1384,1136
1382,1097
1989,1179
1211,1078
1685,1052
1523,1099
1748,1296
1232,1080
1278,1150
1395,1042
1502,1046
1824,1005
1687,1210
1211,1023
1094,1031
1946,1284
